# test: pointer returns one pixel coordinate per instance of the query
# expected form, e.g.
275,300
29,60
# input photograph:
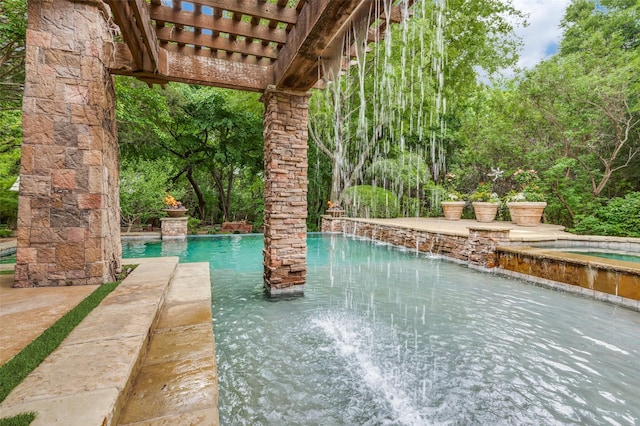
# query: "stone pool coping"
93,377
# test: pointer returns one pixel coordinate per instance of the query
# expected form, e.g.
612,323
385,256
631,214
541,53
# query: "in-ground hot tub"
605,268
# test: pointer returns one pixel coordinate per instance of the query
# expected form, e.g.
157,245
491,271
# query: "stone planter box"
452,209
526,213
485,211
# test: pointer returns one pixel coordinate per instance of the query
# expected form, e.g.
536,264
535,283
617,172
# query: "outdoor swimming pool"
388,336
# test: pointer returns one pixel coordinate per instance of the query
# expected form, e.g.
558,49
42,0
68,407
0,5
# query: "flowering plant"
528,189
450,180
171,202
485,193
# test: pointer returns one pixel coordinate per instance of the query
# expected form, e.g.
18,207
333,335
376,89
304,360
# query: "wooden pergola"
240,44
68,228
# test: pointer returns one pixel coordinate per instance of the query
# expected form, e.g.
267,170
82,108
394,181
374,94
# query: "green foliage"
13,27
11,138
370,201
193,224
484,192
620,217
143,184
406,174
22,419
213,138
4,232
14,371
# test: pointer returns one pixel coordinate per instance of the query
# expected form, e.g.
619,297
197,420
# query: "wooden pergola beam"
135,24
186,66
216,43
262,10
217,25
320,23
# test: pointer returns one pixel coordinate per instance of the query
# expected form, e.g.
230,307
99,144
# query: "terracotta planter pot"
176,212
485,212
526,213
452,209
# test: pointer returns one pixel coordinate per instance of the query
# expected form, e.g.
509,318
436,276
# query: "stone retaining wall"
476,249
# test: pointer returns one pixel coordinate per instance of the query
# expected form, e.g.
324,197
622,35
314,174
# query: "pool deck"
129,360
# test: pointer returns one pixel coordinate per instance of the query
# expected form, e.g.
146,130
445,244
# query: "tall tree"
210,134
398,96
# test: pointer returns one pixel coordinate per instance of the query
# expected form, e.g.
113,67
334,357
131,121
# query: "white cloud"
543,34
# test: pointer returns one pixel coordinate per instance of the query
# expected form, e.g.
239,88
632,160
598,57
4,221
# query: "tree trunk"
198,192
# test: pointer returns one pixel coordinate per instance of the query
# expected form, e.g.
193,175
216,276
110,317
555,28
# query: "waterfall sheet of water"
381,117
387,337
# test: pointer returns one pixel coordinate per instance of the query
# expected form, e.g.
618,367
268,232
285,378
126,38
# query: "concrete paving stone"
76,369
115,322
172,344
183,386
90,408
138,293
184,290
30,311
192,270
208,417
182,314
153,271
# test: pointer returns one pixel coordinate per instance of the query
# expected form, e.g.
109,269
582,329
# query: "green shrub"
620,217
5,232
193,224
370,201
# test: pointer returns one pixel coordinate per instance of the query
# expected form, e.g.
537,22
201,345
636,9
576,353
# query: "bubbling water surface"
389,337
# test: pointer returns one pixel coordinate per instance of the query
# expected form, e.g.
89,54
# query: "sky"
543,34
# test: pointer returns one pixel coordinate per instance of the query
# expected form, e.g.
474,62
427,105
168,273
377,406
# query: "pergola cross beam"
283,40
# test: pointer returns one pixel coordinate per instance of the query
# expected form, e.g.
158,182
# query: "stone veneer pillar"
174,228
68,219
285,191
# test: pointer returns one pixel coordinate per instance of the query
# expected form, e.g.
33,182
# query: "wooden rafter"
284,39
135,24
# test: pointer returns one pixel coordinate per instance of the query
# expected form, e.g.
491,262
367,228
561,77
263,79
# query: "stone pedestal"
285,191
174,228
68,218
482,243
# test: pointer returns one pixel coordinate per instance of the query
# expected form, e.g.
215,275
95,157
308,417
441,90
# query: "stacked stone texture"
285,189
478,249
68,230
174,227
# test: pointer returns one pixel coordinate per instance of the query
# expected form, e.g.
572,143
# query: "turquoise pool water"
609,255
390,337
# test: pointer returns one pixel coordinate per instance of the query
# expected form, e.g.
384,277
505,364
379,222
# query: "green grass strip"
14,371
7,272
23,419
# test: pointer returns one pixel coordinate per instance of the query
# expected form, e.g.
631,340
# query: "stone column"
285,191
68,219
174,228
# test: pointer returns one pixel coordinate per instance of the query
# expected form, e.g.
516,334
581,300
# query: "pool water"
609,255
385,336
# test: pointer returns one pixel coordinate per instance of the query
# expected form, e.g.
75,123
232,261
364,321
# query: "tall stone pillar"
68,218
285,191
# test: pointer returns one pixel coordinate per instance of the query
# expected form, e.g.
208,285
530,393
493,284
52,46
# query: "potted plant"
526,205
485,202
174,208
453,202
